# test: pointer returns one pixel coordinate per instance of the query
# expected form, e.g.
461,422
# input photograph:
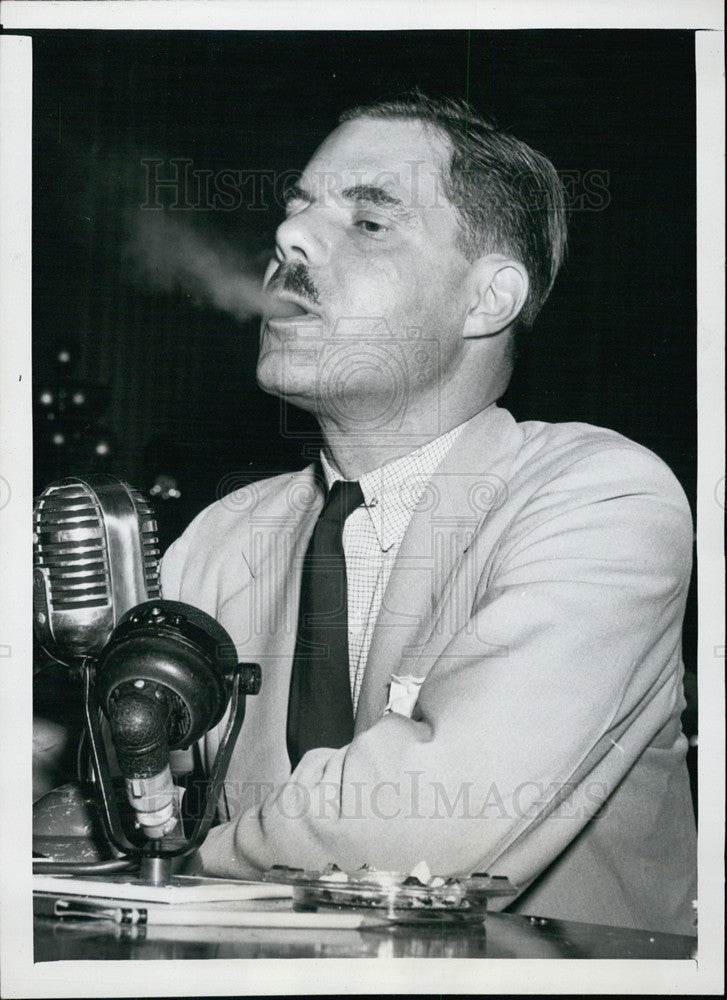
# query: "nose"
302,237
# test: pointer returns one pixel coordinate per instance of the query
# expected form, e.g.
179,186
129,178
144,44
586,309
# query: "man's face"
368,284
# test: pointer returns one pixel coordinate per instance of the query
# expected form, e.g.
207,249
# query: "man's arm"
568,668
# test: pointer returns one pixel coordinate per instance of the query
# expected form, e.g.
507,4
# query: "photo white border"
19,978
380,15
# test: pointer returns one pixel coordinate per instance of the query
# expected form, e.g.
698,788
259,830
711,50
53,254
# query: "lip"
288,325
289,298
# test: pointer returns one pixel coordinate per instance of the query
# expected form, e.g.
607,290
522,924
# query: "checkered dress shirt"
372,536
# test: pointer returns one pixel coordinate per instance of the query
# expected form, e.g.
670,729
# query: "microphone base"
155,870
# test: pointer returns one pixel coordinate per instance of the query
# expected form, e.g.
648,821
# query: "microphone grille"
69,544
149,542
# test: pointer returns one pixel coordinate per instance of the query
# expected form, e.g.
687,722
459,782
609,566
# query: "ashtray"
417,897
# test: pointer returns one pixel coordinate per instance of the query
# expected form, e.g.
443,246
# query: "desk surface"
501,936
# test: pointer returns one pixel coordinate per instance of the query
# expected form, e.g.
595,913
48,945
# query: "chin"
277,379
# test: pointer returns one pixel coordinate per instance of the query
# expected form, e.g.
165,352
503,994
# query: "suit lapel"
419,612
267,608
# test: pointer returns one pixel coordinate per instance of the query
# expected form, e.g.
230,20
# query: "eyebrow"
373,195
369,194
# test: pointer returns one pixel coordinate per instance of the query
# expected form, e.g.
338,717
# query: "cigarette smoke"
169,255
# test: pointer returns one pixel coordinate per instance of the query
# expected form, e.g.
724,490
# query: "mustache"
294,277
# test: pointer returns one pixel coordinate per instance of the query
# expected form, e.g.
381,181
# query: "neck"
354,451
357,444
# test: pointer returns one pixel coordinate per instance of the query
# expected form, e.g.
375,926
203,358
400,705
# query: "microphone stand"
156,861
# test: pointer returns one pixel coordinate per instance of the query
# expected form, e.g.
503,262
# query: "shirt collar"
392,491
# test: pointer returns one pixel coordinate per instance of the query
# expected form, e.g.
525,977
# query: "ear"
498,289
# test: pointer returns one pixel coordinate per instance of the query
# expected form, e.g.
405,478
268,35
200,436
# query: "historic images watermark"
176,184
5,492
414,796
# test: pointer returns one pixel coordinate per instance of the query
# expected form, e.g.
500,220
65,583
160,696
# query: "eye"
371,227
295,200
293,206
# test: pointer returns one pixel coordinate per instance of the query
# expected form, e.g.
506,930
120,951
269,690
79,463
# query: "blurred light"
46,398
165,488
59,439
102,448
78,398
64,356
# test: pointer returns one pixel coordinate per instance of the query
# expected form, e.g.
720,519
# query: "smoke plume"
168,254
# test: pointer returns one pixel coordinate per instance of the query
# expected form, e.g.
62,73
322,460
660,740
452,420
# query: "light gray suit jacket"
539,590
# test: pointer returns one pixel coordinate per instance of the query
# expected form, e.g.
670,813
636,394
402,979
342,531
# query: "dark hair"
509,197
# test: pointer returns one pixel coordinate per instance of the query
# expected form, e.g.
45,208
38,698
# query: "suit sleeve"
172,565
568,666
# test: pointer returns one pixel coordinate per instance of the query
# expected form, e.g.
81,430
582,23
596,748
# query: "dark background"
168,383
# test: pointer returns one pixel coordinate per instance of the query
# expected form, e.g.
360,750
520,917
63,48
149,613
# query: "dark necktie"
320,710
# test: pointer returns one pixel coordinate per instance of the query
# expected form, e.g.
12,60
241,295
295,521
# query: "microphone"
96,556
162,672
163,680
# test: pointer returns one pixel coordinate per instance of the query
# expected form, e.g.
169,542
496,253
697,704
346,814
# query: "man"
514,591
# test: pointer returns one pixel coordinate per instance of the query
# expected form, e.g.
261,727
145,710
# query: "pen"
172,915
46,906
